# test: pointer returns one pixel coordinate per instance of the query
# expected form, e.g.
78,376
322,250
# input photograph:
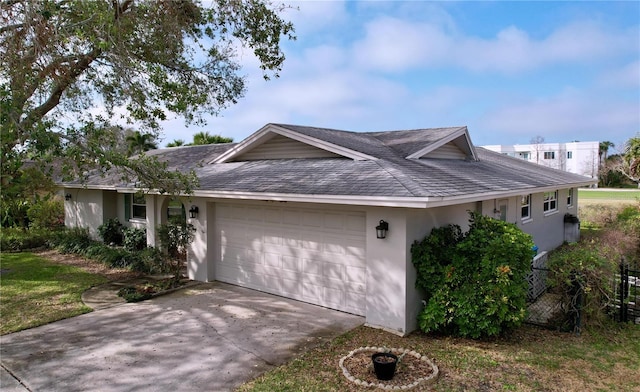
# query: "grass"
590,196
35,291
530,359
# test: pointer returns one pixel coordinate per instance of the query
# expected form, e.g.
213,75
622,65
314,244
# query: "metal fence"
627,294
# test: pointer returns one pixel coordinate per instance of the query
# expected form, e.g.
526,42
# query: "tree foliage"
628,163
474,282
202,138
137,60
176,143
141,142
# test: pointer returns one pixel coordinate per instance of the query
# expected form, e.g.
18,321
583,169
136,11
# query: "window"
569,154
550,201
525,207
549,155
525,155
570,198
138,207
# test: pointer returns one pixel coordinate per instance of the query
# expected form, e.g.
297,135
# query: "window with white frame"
569,154
570,198
549,155
138,207
525,207
550,201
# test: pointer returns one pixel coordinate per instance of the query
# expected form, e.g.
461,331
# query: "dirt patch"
88,265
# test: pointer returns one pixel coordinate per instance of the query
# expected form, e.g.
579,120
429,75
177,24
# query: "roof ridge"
407,183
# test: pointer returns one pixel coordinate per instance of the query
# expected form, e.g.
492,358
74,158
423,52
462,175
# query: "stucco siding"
419,225
547,229
85,210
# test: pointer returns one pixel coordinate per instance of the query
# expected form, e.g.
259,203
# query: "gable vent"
446,151
281,147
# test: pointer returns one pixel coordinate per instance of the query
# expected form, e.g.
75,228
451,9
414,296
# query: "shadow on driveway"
211,337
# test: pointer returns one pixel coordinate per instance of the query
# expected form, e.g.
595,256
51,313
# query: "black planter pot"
384,364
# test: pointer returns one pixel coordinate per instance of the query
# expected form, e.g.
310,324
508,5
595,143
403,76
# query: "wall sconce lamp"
382,229
67,196
193,212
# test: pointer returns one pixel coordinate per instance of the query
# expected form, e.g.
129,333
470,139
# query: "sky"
509,71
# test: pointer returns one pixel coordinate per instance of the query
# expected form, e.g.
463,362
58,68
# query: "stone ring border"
400,351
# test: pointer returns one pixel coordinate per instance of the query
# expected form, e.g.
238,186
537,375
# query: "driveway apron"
211,337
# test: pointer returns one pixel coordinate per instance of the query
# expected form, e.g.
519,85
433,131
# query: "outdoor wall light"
382,229
193,212
67,196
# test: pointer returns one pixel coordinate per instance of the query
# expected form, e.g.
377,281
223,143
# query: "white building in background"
575,157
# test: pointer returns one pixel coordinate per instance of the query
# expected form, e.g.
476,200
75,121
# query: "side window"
549,155
569,154
550,201
138,207
525,207
570,198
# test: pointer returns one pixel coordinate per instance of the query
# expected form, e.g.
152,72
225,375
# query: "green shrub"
16,239
174,238
589,266
13,212
75,240
151,260
46,214
474,282
134,239
111,232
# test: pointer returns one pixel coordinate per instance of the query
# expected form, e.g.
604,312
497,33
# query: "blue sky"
509,71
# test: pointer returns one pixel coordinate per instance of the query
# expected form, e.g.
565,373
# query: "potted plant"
384,365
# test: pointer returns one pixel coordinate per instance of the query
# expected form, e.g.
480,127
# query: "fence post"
624,291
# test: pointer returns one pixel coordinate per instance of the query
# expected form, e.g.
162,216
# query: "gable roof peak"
300,142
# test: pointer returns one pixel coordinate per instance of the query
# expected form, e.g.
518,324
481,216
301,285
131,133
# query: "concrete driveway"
211,337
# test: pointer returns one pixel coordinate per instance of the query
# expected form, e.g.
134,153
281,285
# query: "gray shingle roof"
391,175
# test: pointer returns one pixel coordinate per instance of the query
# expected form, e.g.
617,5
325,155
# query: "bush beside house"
475,281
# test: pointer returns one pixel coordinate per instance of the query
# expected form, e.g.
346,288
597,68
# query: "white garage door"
316,256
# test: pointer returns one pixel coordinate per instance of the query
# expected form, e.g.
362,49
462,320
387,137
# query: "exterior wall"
584,155
110,206
85,210
547,229
419,225
386,271
201,252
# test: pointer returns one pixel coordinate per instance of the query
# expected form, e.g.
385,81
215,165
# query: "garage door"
316,256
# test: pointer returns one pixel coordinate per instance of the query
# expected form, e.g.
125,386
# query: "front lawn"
35,291
530,359
614,196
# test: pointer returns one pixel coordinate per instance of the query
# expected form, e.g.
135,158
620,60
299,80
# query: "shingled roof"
375,168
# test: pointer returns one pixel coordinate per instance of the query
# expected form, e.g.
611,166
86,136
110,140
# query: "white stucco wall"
392,300
386,286
200,255
548,229
85,210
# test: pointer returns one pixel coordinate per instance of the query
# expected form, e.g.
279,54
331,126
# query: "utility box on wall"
571,228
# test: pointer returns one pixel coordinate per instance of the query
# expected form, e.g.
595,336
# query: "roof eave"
385,201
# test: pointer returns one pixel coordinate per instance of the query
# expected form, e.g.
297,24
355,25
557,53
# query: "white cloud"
566,116
627,77
393,45
309,17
